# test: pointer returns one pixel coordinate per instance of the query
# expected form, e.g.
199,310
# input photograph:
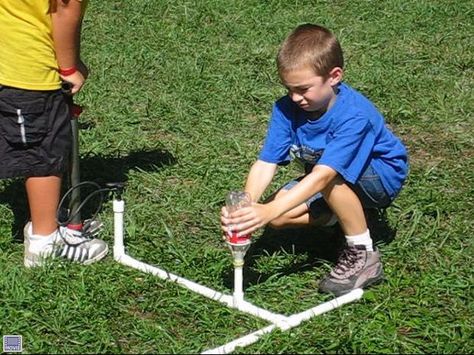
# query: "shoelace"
347,260
90,229
72,239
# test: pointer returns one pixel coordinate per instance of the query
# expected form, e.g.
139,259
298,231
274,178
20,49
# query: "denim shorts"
35,133
368,188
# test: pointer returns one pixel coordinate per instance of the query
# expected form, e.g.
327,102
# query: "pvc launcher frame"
278,321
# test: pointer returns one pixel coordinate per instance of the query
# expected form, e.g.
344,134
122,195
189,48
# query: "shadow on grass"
100,169
103,169
316,246
311,247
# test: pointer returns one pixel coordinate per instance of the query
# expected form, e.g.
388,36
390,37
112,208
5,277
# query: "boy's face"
311,92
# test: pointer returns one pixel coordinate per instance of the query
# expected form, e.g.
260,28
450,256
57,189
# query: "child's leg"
359,265
347,206
43,238
43,198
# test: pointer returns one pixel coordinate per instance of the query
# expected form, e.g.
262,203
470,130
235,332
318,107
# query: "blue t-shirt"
348,137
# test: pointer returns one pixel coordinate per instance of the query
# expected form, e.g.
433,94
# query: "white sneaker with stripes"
65,244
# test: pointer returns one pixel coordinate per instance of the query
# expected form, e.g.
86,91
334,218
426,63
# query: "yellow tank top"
27,58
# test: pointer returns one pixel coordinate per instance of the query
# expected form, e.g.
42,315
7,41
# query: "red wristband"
68,71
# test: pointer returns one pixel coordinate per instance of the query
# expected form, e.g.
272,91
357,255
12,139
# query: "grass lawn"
177,106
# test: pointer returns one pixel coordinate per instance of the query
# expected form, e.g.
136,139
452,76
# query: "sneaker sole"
97,257
39,262
31,263
370,282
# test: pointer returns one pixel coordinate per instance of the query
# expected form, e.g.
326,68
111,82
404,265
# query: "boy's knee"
329,188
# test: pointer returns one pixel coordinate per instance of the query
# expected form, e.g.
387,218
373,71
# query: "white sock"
361,239
39,242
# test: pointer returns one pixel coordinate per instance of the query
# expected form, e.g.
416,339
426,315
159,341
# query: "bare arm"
260,176
249,219
66,19
312,183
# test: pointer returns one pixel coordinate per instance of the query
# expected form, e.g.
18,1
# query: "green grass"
177,105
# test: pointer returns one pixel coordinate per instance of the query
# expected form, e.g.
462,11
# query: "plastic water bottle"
234,201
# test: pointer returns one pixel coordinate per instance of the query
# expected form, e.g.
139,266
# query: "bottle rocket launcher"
276,320
238,245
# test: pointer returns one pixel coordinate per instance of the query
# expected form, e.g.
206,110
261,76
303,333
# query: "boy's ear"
335,76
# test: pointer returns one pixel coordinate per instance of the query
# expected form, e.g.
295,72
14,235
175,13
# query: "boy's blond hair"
313,46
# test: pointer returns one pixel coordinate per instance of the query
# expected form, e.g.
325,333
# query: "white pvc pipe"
352,296
243,341
203,290
275,318
243,306
238,288
291,322
119,248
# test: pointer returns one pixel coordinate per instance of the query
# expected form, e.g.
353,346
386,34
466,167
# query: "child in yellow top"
40,48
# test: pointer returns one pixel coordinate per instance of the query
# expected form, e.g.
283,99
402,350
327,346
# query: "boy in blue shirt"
352,161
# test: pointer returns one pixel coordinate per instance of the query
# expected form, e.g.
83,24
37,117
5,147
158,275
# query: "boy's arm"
314,182
260,176
66,19
249,219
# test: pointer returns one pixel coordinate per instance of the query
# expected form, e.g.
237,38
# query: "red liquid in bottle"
235,239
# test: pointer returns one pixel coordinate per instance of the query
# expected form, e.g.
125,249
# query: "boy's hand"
224,221
76,79
247,219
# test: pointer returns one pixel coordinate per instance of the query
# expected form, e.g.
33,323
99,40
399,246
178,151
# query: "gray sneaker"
356,268
67,244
